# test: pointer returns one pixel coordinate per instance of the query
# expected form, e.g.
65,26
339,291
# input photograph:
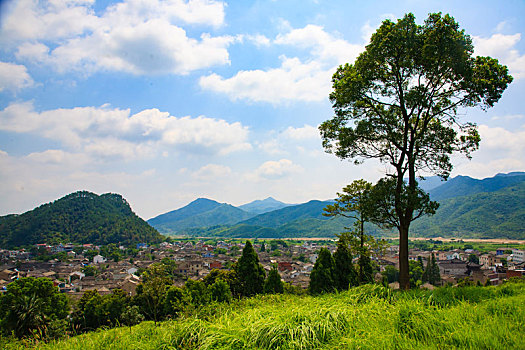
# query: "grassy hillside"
466,186
80,217
367,317
482,215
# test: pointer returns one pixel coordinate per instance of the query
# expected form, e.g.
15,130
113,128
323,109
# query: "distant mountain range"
80,217
487,208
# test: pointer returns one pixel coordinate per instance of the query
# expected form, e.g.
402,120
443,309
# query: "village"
79,270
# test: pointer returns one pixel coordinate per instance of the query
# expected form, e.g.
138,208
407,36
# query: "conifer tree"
322,275
345,275
250,274
273,283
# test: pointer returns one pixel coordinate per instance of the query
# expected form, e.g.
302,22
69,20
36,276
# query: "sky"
166,101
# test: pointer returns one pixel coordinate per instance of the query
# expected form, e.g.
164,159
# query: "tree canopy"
399,103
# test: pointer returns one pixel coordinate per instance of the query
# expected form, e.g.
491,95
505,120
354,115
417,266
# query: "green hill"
497,214
199,213
465,185
80,217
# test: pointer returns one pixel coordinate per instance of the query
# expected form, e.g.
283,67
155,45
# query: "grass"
368,317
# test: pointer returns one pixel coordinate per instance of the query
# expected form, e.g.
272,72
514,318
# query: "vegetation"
366,317
398,103
31,306
80,217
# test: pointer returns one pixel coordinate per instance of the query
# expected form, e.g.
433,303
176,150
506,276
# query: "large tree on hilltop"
399,103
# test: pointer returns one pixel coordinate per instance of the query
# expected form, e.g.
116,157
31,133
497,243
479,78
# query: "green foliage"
431,274
131,316
345,275
322,275
30,305
366,317
80,217
220,291
250,274
416,274
391,274
273,283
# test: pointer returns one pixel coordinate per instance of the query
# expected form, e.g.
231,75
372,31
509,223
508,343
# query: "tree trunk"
404,276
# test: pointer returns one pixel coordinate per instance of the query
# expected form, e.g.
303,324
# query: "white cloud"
304,133
115,133
277,169
134,36
296,79
501,46
14,77
500,151
212,172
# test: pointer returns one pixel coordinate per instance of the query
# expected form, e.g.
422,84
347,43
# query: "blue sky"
166,101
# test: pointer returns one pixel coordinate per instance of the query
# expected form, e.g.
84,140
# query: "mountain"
200,213
492,214
80,217
465,185
263,206
276,218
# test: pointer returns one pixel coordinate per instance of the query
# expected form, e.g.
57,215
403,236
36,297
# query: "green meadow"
367,317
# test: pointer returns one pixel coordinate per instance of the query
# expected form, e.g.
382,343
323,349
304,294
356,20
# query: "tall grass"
368,317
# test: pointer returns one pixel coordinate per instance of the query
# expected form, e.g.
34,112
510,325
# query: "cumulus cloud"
132,36
14,77
277,169
500,150
212,171
107,132
502,47
303,133
296,79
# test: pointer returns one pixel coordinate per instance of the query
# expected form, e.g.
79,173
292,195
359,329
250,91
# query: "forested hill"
80,217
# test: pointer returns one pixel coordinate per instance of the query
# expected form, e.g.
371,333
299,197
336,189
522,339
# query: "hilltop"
80,217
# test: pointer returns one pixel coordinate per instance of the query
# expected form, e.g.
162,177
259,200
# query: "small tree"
273,283
131,316
345,275
322,275
250,274
220,291
152,290
31,304
431,274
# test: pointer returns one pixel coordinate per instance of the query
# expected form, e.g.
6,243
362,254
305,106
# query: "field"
367,317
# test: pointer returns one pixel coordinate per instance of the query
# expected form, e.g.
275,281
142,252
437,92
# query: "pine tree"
434,277
322,275
250,274
345,275
273,283
366,270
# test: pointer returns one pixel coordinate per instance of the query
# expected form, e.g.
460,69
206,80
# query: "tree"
399,103
416,274
273,283
31,304
391,274
132,316
250,274
354,203
473,258
220,291
345,275
431,274
322,275
151,292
